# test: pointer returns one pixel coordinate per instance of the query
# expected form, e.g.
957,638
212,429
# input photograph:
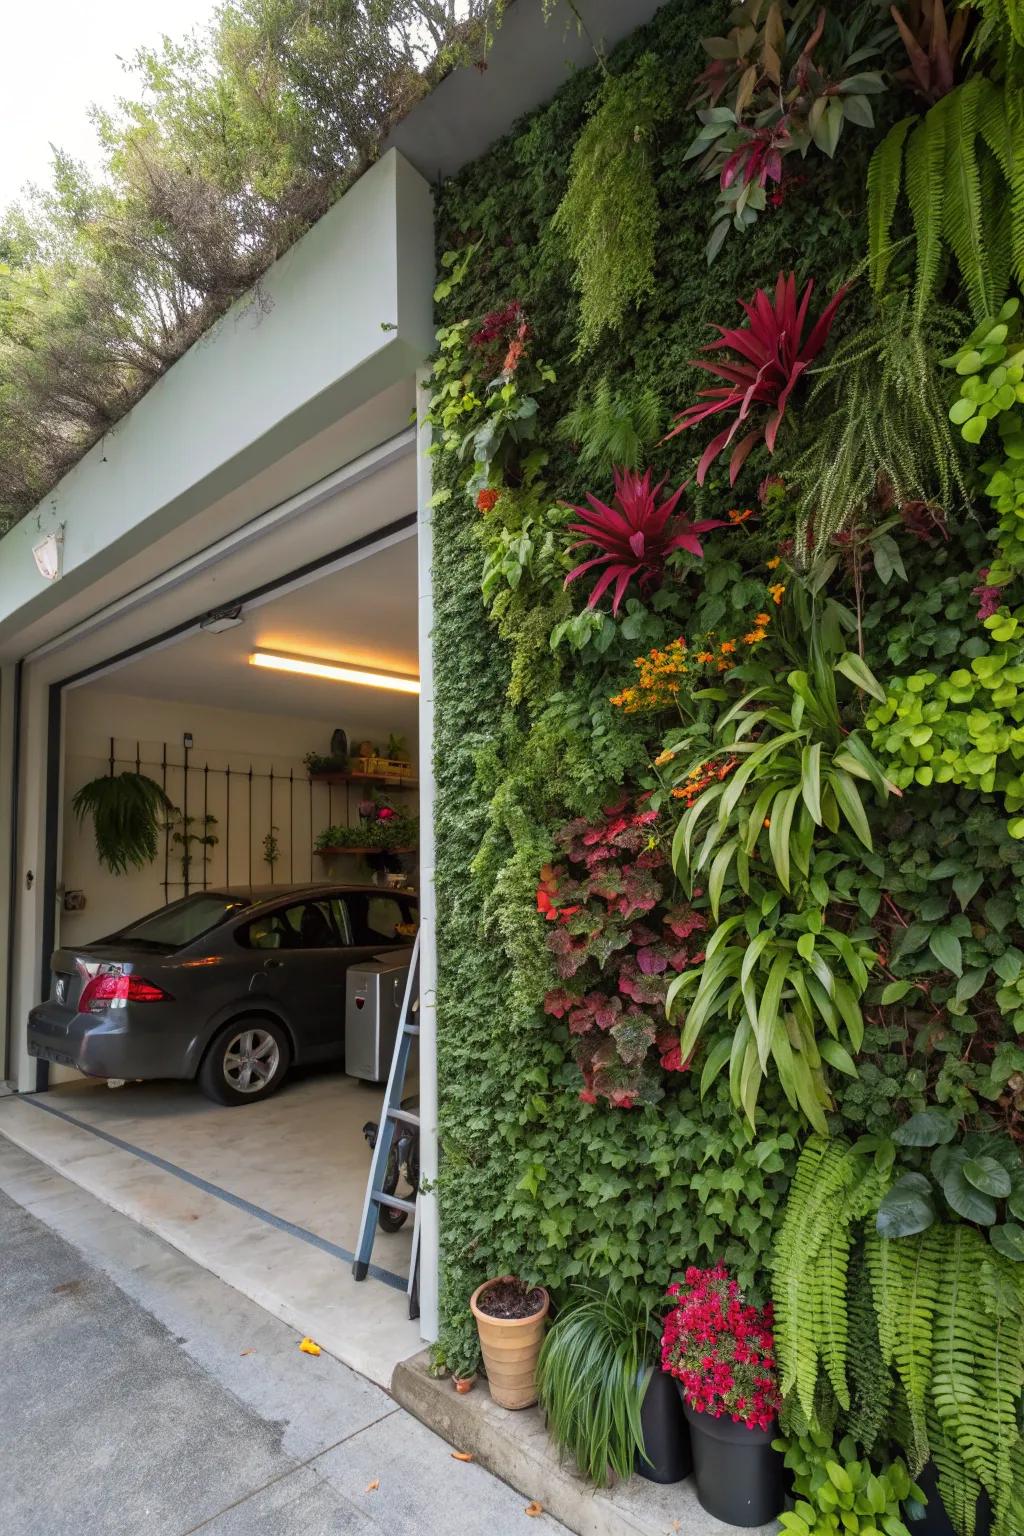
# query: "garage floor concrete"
267,1196
141,1395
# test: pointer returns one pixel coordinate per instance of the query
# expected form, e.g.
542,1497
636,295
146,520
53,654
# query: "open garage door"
214,1049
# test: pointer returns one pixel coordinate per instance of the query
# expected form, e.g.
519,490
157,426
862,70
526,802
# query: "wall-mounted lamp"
334,671
220,619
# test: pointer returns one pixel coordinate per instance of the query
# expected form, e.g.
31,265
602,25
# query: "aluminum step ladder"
392,1116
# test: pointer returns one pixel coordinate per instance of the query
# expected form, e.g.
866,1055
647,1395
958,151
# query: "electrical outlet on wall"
186,741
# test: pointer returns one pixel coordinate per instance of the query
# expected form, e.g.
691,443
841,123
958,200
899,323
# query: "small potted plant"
723,1353
606,1398
510,1318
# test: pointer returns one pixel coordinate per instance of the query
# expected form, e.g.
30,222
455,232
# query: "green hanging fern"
833,1190
870,1379
591,1379
943,162
609,215
881,417
906,1276
127,811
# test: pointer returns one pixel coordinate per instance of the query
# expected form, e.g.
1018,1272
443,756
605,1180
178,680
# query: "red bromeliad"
635,535
771,353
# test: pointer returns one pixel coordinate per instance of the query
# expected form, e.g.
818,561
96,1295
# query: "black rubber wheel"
245,1062
388,1218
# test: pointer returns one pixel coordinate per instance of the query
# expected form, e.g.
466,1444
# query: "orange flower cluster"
737,515
661,674
700,779
487,500
662,671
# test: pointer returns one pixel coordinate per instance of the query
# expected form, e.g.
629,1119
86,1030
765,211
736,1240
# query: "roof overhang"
246,417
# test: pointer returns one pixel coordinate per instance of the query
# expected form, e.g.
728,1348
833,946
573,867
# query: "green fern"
833,1189
126,811
906,1277
944,164
871,1380
882,416
883,195
614,427
608,218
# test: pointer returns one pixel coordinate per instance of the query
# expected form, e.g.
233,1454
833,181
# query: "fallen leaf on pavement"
372,1487
461,1456
534,1509
247,1351
310,1347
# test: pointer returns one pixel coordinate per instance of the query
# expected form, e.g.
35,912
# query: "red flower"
635,535
385,813
487,500
771,353
721,1349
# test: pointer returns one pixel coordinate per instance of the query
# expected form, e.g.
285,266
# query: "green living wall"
848,608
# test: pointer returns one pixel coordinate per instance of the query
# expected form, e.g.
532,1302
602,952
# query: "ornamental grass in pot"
607,1401
510,1318
723,1353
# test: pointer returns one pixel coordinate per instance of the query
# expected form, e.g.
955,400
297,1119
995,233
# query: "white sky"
57,57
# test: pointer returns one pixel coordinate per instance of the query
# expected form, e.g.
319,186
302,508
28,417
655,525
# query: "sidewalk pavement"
141,1396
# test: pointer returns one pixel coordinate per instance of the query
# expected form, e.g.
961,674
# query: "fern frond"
906,1279
962,214
925,181
884,174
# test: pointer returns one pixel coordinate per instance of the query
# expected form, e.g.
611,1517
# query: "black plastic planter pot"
936,1522
666,1435
740,1479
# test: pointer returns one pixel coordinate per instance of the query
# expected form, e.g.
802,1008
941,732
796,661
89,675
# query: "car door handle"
272,965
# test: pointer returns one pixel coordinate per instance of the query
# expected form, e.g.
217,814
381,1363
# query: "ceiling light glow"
334,671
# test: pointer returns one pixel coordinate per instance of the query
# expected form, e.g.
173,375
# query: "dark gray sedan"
230,987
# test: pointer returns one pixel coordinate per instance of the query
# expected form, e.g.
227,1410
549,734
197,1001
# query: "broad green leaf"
929,1128
907,1208
1009,1241
810,779
986,1174
967,1201
945,946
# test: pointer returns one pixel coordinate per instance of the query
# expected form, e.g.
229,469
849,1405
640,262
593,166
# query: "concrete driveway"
140,1394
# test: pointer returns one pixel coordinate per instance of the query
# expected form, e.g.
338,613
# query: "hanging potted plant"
510,1318
723,1353
128,813
607,1400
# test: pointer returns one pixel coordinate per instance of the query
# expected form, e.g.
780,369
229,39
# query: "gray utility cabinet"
373,1004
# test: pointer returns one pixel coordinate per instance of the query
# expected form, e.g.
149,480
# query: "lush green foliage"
862,963
593,1371
836,1491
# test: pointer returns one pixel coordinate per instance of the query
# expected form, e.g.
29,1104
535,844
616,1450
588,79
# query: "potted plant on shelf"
723,1353
606,1398
510,1318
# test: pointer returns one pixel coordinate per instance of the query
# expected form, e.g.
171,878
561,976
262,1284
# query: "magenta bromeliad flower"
770,354
635,535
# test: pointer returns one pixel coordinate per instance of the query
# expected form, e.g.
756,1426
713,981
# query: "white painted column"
8,687
429,1226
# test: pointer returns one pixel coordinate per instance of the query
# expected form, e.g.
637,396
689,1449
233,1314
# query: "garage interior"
267,1195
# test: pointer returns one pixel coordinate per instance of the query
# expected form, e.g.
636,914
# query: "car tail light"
110,991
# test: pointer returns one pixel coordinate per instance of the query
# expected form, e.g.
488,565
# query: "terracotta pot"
510,1347
463,1383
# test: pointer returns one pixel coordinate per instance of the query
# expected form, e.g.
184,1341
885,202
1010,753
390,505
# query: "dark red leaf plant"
616,941
634,536
763,364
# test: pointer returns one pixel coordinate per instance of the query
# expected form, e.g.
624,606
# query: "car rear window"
182,922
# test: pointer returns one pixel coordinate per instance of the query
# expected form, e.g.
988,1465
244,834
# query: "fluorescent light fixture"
334,671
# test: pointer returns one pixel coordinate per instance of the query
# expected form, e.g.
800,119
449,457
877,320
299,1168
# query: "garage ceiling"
366,614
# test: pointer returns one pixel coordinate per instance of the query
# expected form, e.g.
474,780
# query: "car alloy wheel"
251,1059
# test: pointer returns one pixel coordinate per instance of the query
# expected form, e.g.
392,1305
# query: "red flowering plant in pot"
616,939
722,1351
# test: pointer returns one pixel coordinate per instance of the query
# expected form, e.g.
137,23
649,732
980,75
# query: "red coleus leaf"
769,355
634,536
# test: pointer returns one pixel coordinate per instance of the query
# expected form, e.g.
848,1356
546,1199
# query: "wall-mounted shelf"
325,852
393,781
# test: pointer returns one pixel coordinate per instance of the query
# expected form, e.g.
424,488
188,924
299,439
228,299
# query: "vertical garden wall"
731,939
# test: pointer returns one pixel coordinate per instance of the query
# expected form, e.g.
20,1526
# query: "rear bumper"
104,1044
